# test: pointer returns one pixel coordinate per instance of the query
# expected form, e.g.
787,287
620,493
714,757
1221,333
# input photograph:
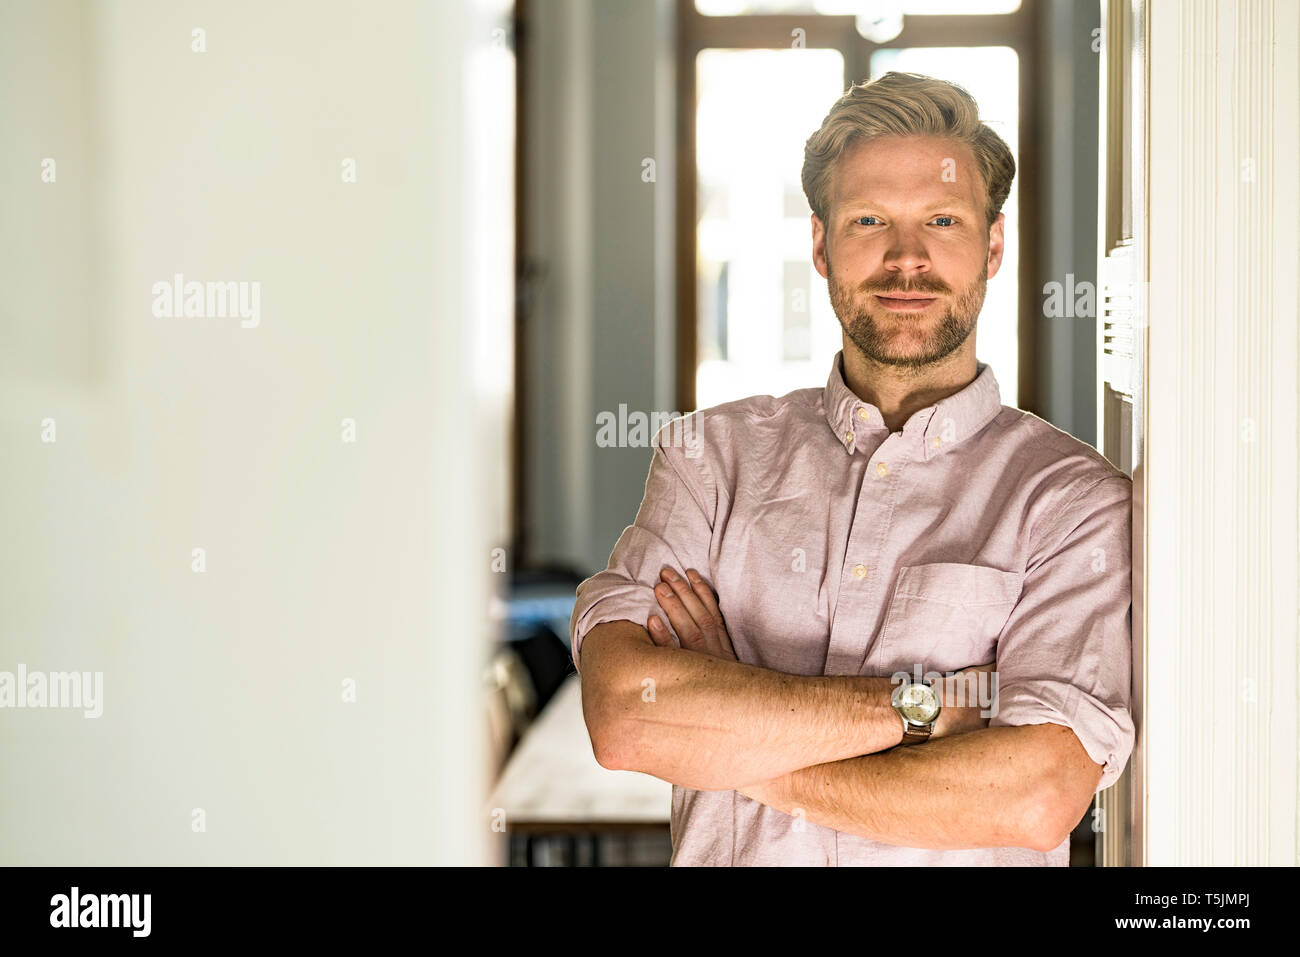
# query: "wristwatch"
917,703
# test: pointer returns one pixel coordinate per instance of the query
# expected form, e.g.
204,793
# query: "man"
900,520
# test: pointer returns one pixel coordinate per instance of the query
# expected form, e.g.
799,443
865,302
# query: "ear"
819,246
996,244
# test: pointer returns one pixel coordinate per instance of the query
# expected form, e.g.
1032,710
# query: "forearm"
711,724
997,787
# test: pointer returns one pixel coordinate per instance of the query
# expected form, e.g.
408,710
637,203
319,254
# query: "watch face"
917,702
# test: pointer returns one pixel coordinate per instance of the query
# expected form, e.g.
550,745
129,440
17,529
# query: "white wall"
385,301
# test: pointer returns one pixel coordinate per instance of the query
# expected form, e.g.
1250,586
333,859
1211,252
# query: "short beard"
864,331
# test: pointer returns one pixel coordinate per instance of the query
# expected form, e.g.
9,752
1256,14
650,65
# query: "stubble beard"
866,330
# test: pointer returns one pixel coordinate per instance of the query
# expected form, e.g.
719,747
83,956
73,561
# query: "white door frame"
1215,478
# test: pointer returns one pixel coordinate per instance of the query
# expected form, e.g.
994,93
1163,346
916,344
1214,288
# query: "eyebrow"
941,201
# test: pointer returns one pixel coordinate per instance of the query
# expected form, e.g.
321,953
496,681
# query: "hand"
692,610
959,698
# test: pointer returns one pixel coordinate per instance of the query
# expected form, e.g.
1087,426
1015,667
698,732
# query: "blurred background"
324,554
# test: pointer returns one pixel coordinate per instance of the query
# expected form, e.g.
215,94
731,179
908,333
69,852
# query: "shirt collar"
939,428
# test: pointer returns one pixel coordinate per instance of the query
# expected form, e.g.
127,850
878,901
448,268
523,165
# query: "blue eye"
949,221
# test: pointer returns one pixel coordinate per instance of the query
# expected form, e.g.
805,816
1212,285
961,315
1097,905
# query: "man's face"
907,219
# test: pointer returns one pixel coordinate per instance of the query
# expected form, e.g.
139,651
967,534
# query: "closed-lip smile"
906,302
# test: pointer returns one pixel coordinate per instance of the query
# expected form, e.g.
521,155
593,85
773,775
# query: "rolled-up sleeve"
1065,653
673,526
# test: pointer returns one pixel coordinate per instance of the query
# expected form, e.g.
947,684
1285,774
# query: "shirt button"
848,437
935,441
862,414
860,571
882,469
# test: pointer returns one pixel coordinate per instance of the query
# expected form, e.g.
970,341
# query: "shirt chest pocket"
944,617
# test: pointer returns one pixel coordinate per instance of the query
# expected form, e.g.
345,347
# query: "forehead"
898,169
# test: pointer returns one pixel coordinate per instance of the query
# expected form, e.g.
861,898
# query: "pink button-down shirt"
977,533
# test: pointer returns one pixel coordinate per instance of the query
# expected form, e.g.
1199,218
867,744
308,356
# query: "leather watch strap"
912,734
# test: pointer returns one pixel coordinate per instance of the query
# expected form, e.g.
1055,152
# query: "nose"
906,256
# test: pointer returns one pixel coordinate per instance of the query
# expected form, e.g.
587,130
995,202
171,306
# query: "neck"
899,391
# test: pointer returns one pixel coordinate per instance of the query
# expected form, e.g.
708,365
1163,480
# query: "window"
757,285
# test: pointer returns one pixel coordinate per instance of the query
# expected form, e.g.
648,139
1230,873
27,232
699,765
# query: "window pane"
765,321
875,8
991,75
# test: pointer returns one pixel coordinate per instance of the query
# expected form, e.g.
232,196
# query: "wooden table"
552,785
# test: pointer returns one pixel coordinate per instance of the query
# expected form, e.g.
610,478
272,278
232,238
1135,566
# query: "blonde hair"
905,104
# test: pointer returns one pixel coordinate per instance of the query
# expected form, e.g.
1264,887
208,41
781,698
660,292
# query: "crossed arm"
822,746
